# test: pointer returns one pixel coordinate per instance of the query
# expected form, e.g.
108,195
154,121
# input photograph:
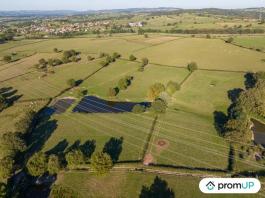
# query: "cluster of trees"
40,163
7,36
108,58
216,31
157,89
74,157
123,84
71,56
245,103
145,62
13,144
204,31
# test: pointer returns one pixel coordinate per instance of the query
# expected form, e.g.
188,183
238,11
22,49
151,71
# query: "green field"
251,42
124,184
187,128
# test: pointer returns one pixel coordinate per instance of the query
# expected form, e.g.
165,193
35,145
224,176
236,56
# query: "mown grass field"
188,125
74,126
208,53
257,42
124,184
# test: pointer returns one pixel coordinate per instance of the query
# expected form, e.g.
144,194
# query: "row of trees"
108,58
204,31
157,89
13,144
123,84
247,103
41,163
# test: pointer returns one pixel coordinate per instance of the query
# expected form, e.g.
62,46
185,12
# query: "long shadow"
231,159
189,168
74,146
92,104
220,120
114,148
88,148
158,189
58,148
10,95
234,94
250,80
40,135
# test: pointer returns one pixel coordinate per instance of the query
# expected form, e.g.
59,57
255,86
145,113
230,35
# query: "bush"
155,90
13,143
90,58
230,40
138,108
116,55
208,36
54,165
6,168
158,106
172,87
113,92
37,164
104,63
71,82
74,158
145,61
101,163
192,66
55,50
7,58
60,191
102,54
132,58
82,93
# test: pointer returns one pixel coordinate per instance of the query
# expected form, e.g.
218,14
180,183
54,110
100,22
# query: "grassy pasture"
152,74
108,77
208,53
32,86
86,45
124,184
186,146
74,126
257,42
207,91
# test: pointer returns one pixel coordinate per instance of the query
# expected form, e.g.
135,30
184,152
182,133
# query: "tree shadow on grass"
88,148
114,148
220,120
234,94
159,189
10,95
74,146
40,135
59,148
250,80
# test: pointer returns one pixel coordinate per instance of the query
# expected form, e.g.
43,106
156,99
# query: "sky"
117,4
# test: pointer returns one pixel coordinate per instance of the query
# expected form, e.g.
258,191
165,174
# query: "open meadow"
184,137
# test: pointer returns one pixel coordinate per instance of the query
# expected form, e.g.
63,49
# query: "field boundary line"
149,137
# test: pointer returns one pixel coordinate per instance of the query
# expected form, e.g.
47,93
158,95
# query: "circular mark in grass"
161,143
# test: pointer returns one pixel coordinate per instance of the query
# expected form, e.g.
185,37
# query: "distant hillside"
39,13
